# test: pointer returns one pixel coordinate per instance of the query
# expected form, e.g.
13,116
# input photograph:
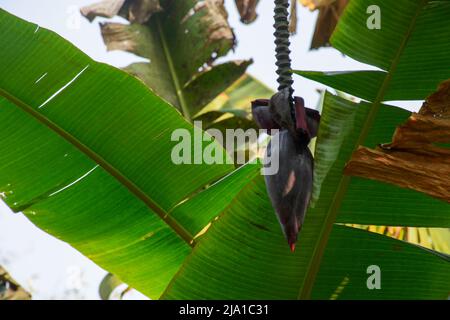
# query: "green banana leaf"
86,155
410,49
332,260
232,108
10,289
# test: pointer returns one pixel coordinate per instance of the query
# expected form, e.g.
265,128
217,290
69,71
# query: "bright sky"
51,269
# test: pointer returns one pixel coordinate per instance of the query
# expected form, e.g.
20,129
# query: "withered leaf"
141,10
106,9
329,14
438,104
215,19
425,170
419,130
10,289
247,10
182,43
136,10
118,36
194,33
414,158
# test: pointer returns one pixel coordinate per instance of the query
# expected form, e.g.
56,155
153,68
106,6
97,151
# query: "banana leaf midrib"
133,188
319,249
173,72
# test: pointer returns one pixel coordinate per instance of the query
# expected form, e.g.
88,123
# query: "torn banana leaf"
10,289
133,10
86,155
233,106
413,159
106,9
182,41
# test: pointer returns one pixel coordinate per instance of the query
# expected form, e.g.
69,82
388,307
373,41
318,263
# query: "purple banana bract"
290,188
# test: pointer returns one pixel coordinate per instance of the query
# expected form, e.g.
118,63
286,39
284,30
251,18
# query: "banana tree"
86,157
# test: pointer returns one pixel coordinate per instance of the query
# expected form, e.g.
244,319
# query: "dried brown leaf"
216,19
247,10
118,36
438,104
419,130
182,44
329,14
413,160
425,171
293,18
